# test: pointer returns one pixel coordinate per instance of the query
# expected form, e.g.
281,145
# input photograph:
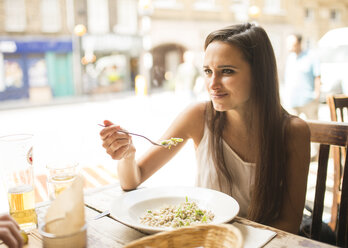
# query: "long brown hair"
268,116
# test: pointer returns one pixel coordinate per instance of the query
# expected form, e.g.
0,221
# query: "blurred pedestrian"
302,79
186,75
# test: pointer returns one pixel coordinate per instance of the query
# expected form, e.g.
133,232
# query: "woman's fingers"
118,143
108,123
115,139
117,148
115,143
106,131
119,153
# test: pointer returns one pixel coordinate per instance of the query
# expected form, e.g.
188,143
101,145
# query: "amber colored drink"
58,183
22,206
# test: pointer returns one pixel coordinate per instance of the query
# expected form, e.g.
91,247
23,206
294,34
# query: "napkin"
66,214
254,237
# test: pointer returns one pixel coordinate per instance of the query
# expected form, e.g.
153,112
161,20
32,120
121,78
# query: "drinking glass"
77,239
16,162
60,176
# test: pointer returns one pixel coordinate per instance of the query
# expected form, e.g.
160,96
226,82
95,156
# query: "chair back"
329,134
338,105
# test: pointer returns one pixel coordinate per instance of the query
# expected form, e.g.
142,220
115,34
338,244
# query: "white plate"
129,207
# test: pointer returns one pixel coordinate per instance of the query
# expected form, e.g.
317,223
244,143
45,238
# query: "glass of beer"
16,163
59,177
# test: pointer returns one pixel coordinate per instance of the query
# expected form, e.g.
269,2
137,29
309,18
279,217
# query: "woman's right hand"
117,145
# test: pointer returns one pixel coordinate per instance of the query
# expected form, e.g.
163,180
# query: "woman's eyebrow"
227,66
221,66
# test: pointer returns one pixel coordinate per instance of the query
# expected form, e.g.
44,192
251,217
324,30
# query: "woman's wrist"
130,154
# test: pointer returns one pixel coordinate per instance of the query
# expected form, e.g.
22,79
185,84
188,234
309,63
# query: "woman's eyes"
207,71
223,71
227,71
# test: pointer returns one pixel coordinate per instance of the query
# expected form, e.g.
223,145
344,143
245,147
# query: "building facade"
112,45
56,48
53,48
181,25
35,50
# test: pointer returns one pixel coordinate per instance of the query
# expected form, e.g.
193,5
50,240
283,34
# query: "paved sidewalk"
68,100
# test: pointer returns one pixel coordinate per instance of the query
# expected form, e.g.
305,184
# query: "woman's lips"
218,95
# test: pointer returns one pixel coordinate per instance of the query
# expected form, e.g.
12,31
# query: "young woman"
246,144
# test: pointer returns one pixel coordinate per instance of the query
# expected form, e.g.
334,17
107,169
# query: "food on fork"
183,214
171,142
163,143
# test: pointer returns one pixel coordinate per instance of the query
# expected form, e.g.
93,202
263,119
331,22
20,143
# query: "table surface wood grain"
108,232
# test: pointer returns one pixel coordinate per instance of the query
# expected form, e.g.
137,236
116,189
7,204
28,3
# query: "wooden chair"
337,104
329,134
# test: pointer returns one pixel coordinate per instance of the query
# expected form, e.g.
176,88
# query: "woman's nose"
214,82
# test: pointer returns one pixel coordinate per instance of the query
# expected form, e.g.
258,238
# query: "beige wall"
188,27
33,20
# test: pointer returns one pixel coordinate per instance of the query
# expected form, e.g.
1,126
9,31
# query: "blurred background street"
51,49
69,133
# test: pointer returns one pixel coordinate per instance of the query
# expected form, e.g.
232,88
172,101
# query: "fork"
102,214
126,132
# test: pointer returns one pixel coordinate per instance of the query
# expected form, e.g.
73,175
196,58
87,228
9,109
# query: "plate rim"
119,200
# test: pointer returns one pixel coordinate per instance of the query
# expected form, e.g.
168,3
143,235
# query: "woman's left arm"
298,148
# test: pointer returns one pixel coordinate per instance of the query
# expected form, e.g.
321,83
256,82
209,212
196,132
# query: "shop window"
50,16
334,15
37,72
127,18
13,73
98,16
309,14
15,15
112,71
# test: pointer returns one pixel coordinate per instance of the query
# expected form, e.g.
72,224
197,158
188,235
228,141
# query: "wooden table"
108,232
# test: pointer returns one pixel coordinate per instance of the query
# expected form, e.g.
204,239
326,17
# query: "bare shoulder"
192,120
196,110
298,145
193,115
298,130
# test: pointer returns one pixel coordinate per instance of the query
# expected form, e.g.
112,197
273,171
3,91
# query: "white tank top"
243,173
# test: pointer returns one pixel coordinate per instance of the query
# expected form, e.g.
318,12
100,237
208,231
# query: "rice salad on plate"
184,214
